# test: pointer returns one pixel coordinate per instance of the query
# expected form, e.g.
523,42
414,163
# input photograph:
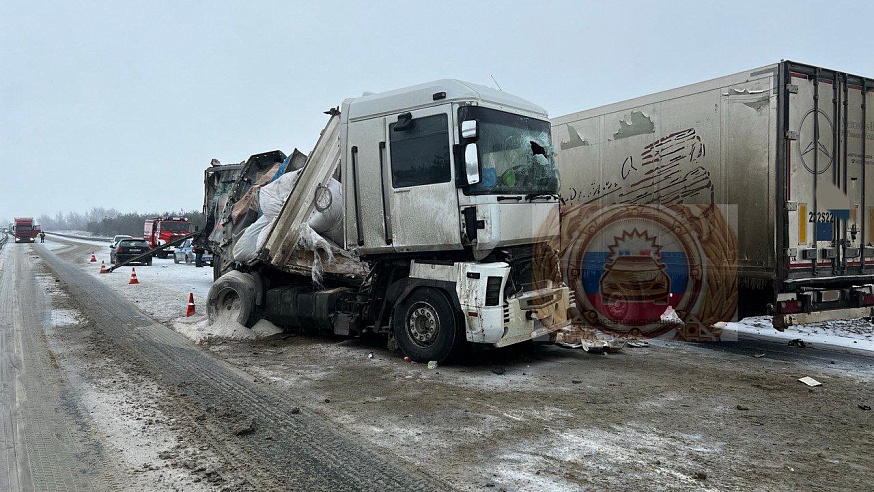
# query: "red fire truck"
161,230
25,230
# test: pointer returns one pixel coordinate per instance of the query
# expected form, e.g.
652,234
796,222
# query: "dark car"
130,248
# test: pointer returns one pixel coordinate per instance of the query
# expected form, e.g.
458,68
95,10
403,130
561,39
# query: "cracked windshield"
516,155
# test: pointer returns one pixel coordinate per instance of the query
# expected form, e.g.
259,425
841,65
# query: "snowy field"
163,290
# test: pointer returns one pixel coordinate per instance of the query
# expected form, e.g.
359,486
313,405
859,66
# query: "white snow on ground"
65,317
199,329
162,293
58,317
852,335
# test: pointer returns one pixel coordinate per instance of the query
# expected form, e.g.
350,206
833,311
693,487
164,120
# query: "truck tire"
426,327
232,297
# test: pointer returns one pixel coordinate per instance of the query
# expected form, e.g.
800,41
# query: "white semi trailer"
449,198
747,193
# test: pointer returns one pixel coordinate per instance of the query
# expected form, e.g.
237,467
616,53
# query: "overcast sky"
122,105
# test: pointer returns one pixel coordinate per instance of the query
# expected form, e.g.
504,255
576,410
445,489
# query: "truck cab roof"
434,93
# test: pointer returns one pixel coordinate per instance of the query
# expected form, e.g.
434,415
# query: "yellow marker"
802,223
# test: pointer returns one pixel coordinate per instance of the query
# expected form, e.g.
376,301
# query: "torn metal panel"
634,123
575,139
323,160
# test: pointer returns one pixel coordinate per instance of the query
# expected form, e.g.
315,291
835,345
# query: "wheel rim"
423,324
229,305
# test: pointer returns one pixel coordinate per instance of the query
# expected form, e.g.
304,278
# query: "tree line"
100,221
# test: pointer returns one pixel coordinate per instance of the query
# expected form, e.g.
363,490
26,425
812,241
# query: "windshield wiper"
533,196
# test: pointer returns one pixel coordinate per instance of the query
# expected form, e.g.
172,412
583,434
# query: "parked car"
126,249
116,239
185,254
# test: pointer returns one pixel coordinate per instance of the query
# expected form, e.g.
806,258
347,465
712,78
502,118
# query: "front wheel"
175,259
426,326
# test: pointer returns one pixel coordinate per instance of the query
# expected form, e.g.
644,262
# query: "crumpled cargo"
249,201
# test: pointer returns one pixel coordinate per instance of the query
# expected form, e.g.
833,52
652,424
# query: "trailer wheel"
426,327
232,297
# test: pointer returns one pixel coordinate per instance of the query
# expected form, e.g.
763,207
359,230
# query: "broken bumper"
526,317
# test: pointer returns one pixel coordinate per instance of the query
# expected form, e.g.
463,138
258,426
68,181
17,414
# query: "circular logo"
809,146
634,268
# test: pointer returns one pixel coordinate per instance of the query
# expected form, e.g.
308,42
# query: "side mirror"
468,129
471,163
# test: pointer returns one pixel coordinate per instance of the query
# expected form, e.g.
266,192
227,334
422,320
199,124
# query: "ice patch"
65,317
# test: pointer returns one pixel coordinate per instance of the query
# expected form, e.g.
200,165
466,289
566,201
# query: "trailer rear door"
829,193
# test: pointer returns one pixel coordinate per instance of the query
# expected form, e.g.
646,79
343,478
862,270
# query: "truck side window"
420,154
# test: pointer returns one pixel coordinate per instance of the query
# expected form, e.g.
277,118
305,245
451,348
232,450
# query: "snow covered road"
672,416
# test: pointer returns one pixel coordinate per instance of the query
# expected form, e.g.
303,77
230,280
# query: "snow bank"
853,335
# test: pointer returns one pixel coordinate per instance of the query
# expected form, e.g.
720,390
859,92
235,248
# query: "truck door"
421,181
828,202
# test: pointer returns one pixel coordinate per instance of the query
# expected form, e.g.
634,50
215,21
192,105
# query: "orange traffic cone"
93,258
103,267
133,276
190,305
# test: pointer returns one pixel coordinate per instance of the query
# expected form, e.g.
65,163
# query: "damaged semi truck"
425,213
745,194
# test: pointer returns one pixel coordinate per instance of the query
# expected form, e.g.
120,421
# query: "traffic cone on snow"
133,276
190,305
103,267
93,258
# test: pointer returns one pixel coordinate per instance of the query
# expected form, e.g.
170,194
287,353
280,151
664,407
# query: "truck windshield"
515,153
174,226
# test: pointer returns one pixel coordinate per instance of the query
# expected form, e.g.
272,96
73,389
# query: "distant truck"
425,214
746,194
24,230
161,230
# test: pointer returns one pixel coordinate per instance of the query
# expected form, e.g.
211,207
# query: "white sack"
247,245
273,195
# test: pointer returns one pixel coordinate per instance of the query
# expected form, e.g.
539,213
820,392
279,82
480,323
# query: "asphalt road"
48,445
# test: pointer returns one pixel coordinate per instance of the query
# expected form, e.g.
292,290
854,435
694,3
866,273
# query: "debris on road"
589,340
864,407
432,364
810,381
797,343
758,356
